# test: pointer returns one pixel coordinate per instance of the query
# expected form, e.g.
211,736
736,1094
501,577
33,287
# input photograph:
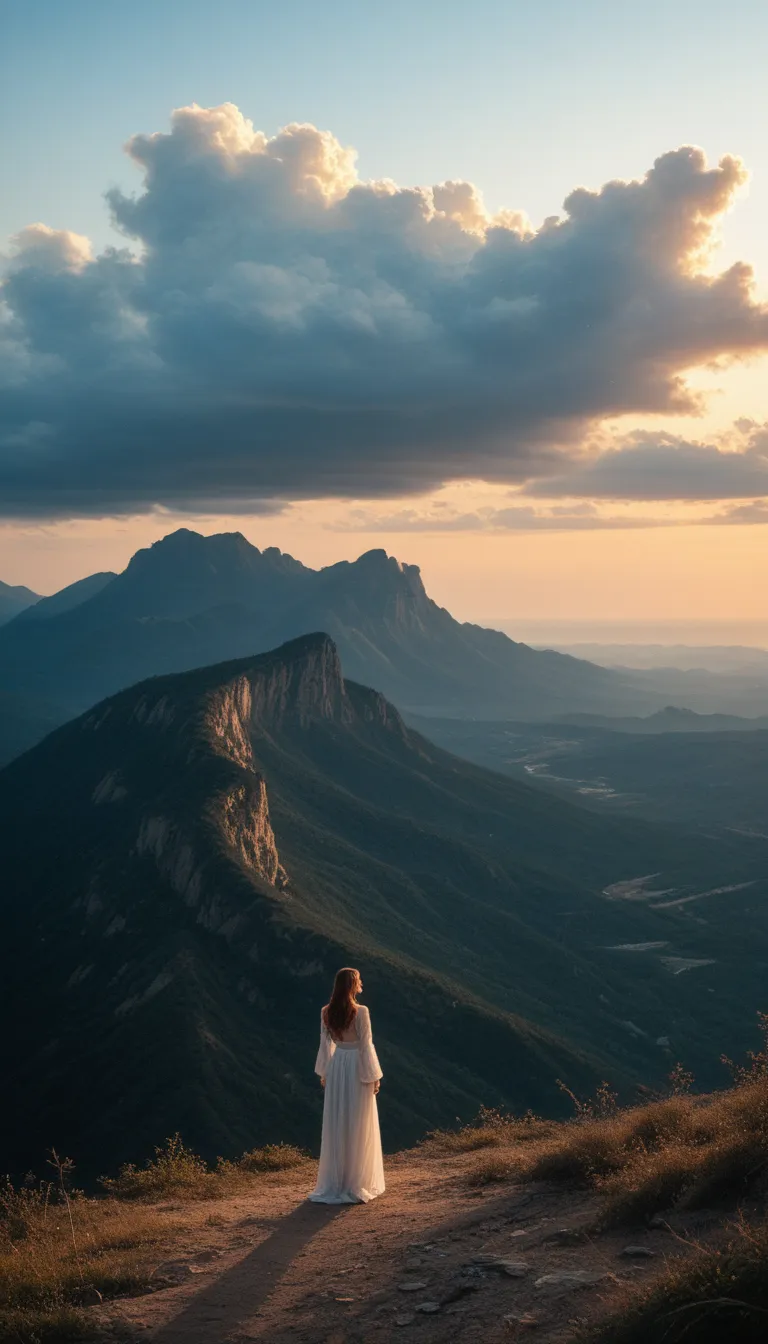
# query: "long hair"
341,1008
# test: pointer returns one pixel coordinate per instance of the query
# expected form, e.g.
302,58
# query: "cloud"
648,466
516,519
283,329
739,514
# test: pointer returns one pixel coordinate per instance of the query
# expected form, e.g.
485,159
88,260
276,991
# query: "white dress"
351,1163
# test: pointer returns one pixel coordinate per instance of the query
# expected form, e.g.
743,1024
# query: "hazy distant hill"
186,865
66,599
727,658
15,599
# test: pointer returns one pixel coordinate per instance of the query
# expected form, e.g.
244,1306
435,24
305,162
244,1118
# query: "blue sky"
525,100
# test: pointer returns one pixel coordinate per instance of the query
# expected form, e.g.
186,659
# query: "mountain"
66,599
186,573
186,865
15,599
190,600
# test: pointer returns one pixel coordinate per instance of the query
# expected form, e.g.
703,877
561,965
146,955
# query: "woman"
351,1164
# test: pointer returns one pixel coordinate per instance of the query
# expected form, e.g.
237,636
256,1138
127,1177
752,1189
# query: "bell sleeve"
326,1051
370,1069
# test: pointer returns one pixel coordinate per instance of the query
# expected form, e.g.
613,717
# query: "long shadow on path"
227,1304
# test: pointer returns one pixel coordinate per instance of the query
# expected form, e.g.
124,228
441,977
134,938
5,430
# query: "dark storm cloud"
288,331
649,467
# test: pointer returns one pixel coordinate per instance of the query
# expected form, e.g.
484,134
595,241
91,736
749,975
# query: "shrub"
756,1068
273,1157
174,1170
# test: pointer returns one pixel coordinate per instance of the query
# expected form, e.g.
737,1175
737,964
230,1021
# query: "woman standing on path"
351,1163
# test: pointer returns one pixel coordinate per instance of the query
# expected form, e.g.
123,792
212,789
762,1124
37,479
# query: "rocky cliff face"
304,684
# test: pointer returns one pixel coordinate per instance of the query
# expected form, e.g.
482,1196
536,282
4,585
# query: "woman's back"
350,1033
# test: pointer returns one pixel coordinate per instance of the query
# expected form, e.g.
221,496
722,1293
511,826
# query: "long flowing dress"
351,1163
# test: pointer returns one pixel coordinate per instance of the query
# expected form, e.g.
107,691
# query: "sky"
485,285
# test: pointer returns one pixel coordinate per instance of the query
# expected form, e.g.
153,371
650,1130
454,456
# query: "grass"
56,1245
672,1155
176,1171
718,1294
491,1129
48,1263
682,1152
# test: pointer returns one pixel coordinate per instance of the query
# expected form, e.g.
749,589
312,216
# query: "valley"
670,767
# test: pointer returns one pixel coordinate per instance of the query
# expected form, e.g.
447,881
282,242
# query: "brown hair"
341,1008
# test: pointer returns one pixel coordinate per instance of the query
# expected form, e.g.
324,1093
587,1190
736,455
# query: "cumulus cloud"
648,466
280,328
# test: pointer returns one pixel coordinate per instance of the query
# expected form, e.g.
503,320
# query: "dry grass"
176,1171
48,1263
687,1151
491,1129
56,1245
490,1169
682,1152
718,1294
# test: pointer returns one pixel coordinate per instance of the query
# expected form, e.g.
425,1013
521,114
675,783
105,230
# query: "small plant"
64,1166
22,1209
173,1170
757,1066
604,1104
681,1081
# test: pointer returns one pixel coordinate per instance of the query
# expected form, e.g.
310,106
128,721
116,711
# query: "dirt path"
273,1268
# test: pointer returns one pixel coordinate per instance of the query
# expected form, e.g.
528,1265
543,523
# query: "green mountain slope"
186,865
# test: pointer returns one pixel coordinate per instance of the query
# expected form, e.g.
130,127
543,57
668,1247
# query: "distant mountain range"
14,600
190,600
186,865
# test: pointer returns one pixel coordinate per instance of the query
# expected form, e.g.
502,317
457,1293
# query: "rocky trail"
432,1259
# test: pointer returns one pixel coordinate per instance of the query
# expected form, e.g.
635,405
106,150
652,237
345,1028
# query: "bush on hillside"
176,1170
